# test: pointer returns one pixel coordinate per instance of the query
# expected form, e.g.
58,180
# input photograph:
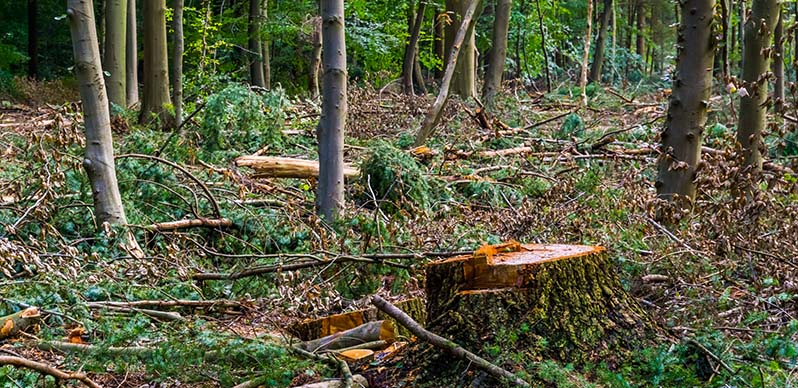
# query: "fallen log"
311,329
190,223
367,332
47,370
282,167
11,325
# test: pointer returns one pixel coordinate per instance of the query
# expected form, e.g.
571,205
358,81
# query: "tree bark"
640,12
758,31
724,48
33,37
498,52
543,48
439,41
177,63
315,58
330,132
131,56
778,63
254,45
434,114
265,51
464,82
586,53
280,167
408,64
156,68
687,112
114,53
598,53
99,154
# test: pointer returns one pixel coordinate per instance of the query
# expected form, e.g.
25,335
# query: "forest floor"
722,282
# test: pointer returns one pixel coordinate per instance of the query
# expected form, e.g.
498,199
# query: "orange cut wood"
356,354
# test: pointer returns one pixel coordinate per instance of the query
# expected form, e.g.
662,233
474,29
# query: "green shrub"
396,178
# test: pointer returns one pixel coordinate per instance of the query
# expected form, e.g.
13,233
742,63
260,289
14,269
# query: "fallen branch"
47,370
341,364
190,223
163,315
68,347
281,167
365,333
172,303
264,269
445,344
11,325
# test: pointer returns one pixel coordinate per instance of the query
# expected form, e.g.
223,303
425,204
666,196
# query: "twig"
445,344
711,355
346,373
47,370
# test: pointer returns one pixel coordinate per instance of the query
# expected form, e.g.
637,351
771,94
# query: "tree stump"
556,302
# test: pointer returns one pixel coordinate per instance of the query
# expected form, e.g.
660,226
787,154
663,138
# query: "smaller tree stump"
560,302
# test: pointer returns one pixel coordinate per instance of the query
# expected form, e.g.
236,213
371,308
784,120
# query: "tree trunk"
330,132
758,31
543,48
256,61
156,68
434,114
742,18
99,155
724,48
131,56
640,12
586,53
464,82
598,53
177,63
498,52
408,64
778,63
267,67
114,53
315,58
568,296
33,44
687,112
439,41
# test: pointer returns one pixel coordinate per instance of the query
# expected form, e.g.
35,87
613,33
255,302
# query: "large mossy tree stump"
556,302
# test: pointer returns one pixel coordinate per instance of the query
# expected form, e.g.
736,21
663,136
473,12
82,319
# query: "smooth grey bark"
598,52
267,67
498,52
434,114
99,154
254,45
330,132
778,63
408,64
757,34
464,83
315,58
114,53
586,54
177,62
131,56
156,68
687,111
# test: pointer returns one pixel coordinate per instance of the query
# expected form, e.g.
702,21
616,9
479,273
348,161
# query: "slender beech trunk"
177,63
498,51
439,40
330,132
114,58
156,68
757,34
254,45
742,15
315,58
724,47
543,47
418,76
586,53
640,12
598,53
131,56
99,154
464,83
265,51
778,63
33,44
408,65
614,46
434,114
687,111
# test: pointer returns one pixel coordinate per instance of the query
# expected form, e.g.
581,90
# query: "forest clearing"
399,194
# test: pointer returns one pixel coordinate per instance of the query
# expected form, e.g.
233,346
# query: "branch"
445,344
47,370
263,269
189,223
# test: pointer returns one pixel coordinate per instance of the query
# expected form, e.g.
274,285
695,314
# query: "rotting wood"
282,167
445,344
13,324
367,332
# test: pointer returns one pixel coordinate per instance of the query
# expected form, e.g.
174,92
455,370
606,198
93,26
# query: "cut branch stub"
567,296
